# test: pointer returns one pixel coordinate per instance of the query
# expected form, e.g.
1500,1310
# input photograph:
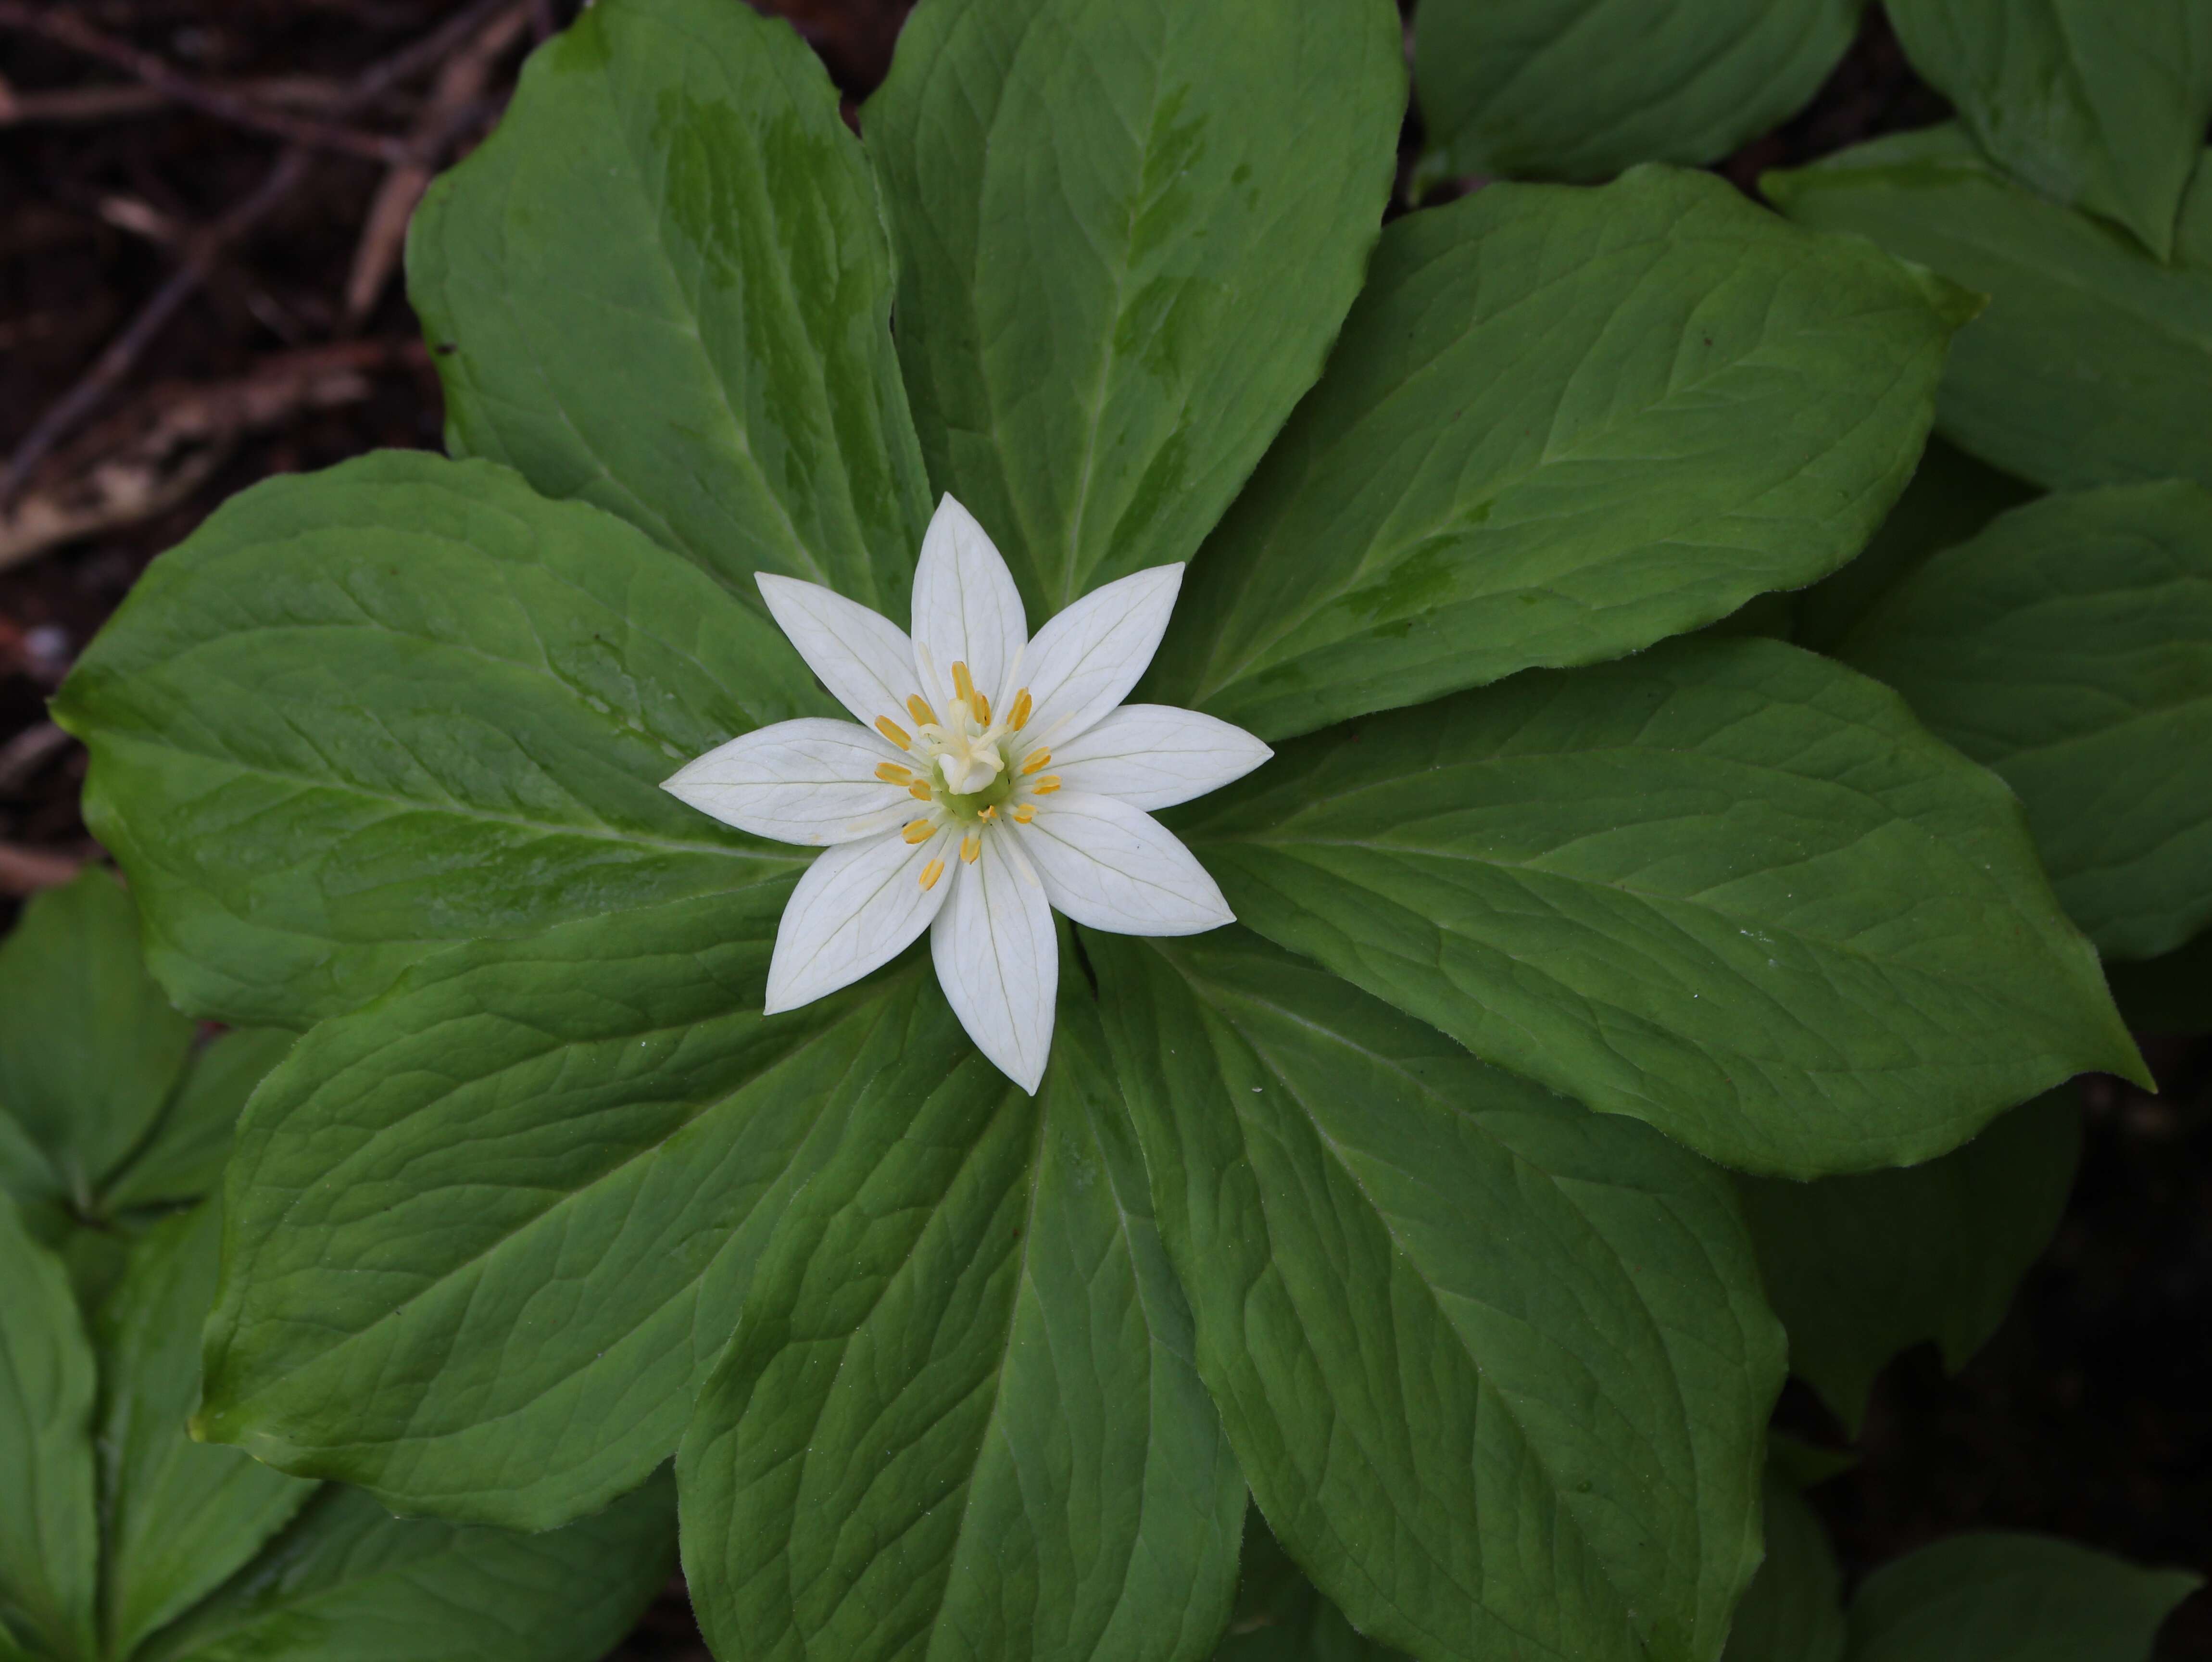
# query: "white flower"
939,810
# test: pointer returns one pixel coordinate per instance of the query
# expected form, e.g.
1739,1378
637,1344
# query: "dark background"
196,294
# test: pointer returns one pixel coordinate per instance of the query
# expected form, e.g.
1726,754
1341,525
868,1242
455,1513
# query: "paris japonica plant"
1388,949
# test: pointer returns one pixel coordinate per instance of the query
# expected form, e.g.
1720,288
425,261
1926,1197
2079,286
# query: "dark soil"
2090,1415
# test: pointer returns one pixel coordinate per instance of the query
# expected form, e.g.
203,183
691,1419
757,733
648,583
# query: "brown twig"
114,365
453,104
65,104
26,871
65,29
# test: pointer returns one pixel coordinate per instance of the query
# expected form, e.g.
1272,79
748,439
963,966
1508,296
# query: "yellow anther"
892,774
920,711
892,731
919,791
1022,708
1046,786
970,847
1023,812
930,873
991,813
1036,761
964,684
917,831
983,709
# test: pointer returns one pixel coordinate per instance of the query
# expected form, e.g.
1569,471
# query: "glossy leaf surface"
1580,89
1726,886
2093,364
1098,207
485,1237
1495,1368
1561,425
404,703
663,286
2069,648
2094,105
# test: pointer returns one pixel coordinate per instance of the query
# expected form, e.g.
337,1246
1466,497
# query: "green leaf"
1281,1616
485,1237
1726,886
1128,231
1793,1611
180,1516
2168,995
184,1160
347,1583
1999,1597
88,1046
2069,648
1861,1268
2093,105
663,286
2093,364
1579,90
49,1530
960,1414
1951,497
404,703
1561,425
1496,1368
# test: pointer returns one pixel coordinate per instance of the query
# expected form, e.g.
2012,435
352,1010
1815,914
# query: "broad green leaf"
27,1174
1793,1611
1496,1368
1726,886
2092,104
1561,425
349,1583
404,703
960,1416
1998,1598
2093,364
663,286
484,1238
1281,1616
1580,89
1859,1268
184,1158
179,1516
1951,497
2167,995
49,1528
2068,649
89,1048
1128,231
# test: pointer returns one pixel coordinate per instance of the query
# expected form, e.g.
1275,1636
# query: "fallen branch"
26,871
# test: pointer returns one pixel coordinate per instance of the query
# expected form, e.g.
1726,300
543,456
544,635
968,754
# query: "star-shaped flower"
993,777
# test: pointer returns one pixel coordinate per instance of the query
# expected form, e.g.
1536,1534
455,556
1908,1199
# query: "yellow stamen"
920,711
964,684
983,709
1036,761
1023,812
991,813
917,831
1046,786
970,846
930,873
919,791
892,731
1022,708
892,774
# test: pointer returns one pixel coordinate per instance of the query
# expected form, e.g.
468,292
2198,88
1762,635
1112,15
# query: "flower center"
970,766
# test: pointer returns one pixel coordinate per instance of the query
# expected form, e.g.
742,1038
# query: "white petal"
1084,661
809,780
854,911
861,656
998,961
1153,756
966,608
1116,868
